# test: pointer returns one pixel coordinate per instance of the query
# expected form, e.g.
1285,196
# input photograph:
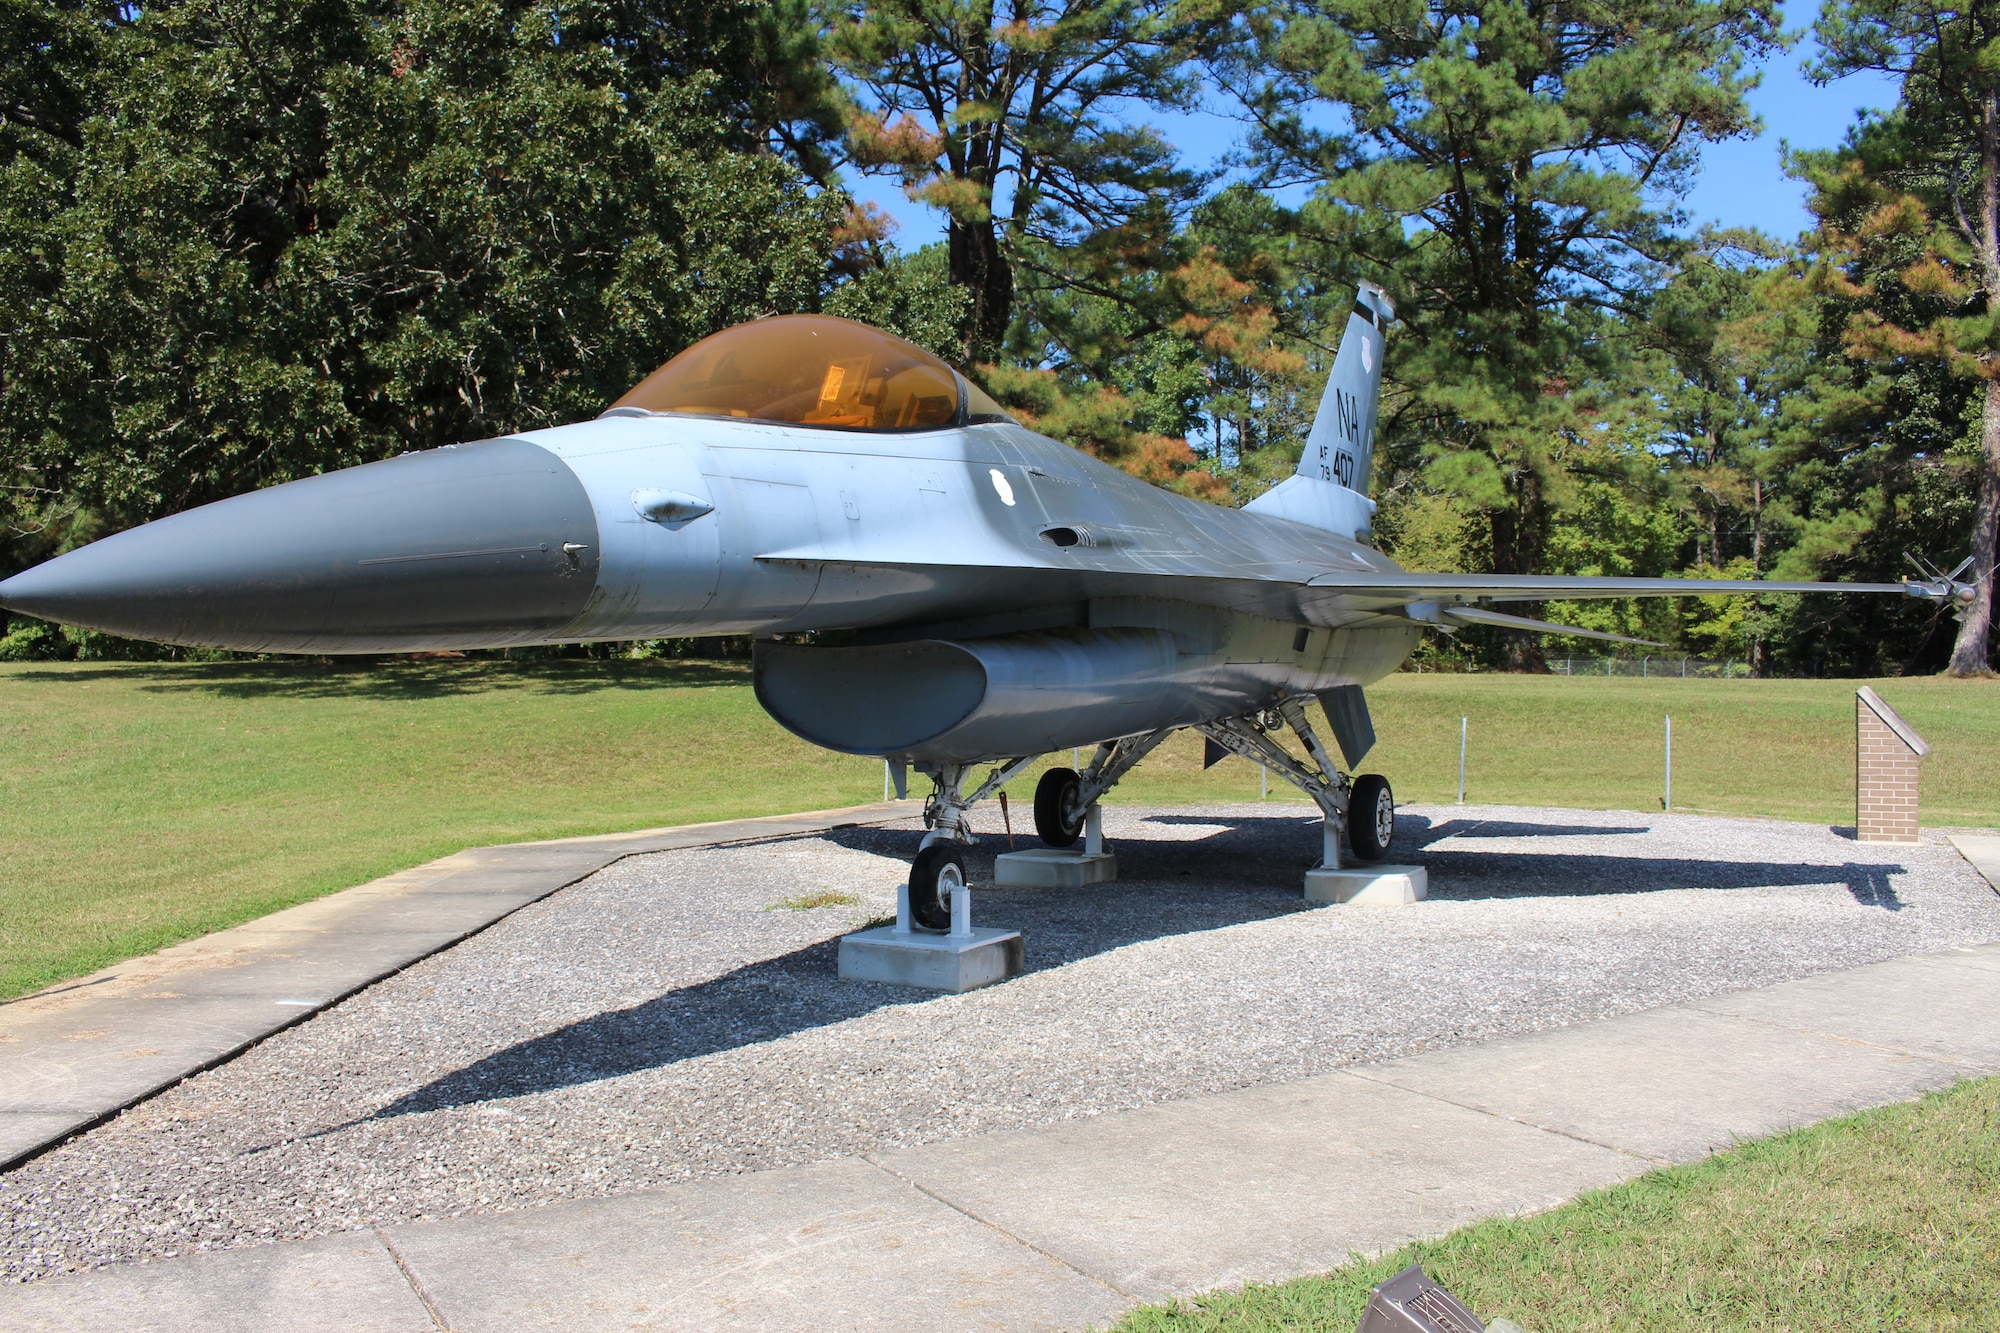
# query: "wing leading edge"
1446,588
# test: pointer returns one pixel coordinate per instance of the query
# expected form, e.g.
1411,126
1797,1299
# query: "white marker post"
1461,761
1667,803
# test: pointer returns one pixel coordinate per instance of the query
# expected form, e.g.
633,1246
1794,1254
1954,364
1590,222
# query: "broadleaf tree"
292,237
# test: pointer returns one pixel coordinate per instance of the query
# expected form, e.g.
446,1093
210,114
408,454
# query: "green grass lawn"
146,803
1885,1220
149,803
1783,748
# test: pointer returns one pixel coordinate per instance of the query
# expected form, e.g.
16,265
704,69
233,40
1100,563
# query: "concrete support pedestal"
1054,868
1061,867
966,958
1371,886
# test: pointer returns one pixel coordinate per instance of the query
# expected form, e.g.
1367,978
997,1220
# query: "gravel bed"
662,1020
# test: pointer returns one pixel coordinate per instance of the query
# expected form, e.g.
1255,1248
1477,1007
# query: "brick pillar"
1886,751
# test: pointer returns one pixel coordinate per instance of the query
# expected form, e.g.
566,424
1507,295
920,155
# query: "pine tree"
1009,118
1937,196
1507,169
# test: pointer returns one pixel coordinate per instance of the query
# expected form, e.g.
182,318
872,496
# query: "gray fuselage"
1075,601
1155,610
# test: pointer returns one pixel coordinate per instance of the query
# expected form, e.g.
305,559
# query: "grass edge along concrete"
1889,1218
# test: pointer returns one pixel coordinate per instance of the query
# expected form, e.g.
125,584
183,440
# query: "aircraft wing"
1286,590
1450,588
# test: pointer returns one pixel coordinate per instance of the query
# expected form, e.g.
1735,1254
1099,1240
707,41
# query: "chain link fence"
1707,668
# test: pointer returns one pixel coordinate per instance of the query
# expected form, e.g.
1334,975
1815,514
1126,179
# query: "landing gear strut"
1369,799
1063,799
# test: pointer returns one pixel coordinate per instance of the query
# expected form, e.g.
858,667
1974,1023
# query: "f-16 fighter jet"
927,580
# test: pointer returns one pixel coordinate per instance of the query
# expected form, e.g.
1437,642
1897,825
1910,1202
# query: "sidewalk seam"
1933,1057
998,1230
416,1287
1651,1162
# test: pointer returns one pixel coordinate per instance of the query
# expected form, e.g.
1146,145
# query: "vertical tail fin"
1342,443
1330,489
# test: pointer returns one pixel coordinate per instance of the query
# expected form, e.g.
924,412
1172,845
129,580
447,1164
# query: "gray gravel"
660,1021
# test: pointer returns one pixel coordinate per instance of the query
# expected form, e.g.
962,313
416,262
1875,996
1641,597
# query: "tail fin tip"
1341,444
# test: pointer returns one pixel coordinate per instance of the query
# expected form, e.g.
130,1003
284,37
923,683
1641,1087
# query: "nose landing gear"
1063,799
938,869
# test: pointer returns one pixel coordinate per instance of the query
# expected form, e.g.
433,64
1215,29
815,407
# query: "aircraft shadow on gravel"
1507,828
1461,875
799,991
1247,870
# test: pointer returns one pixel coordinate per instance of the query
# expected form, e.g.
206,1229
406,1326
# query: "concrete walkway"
1981,847
1064,1227
82,1051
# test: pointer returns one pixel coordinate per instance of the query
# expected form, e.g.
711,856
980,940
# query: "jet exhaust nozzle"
469,546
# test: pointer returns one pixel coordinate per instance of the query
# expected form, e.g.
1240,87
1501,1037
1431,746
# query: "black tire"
938,869
1371,817
1058,818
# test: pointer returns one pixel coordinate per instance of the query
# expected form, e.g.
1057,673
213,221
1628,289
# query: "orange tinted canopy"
810,370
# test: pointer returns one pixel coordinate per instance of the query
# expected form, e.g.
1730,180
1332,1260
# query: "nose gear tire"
1371,817
938,869
1058,820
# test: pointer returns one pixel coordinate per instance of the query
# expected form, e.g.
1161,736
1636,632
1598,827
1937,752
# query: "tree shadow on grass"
1247,870
399,679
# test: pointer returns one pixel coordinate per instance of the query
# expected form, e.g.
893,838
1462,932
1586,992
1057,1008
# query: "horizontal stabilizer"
1481,616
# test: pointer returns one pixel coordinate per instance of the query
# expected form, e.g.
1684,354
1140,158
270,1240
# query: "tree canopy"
1501,166
244,241
259,240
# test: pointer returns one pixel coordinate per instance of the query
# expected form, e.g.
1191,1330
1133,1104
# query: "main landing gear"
1360,812
1058,813
1371,817
1363,809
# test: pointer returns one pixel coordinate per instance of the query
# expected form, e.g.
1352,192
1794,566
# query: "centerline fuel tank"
938,700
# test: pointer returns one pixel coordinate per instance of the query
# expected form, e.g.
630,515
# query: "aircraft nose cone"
470,546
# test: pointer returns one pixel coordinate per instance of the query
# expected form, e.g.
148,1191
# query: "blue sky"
1741,182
